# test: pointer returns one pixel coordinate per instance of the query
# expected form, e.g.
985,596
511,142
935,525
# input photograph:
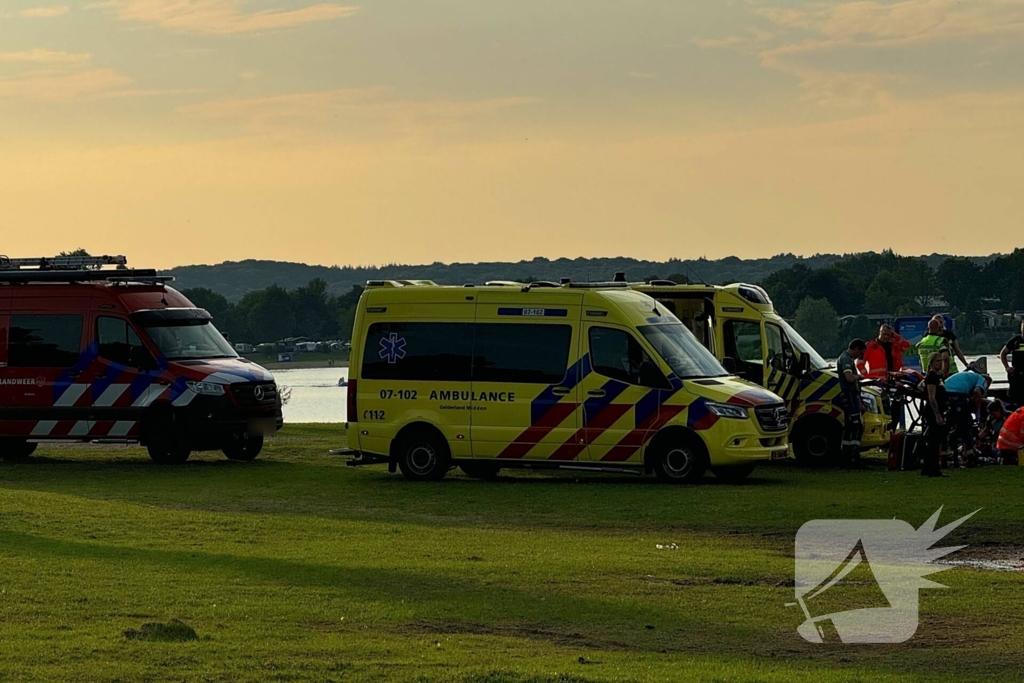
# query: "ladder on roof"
76,269
63,262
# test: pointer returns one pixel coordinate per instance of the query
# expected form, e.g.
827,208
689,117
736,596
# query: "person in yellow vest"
953,344
934,344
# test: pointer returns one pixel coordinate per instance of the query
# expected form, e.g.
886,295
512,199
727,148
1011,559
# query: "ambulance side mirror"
651,376
729,364
804,365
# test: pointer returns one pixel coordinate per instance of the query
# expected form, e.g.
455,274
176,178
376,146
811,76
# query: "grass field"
296,567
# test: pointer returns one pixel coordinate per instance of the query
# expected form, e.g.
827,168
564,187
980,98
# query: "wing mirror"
729,364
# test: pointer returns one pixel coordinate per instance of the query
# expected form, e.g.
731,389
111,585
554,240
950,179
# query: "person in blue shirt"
966,392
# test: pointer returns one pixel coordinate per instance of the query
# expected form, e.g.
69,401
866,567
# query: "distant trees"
274,313
817,322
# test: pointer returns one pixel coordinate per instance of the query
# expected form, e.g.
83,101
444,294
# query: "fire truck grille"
772,418
255,393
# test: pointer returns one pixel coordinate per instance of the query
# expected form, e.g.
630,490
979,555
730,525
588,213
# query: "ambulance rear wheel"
733,473
423,455
816,443
480,470
16,450
680,460
244,447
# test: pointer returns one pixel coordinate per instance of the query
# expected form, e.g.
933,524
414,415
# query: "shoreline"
305,365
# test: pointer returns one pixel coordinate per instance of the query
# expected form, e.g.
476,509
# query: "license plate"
780,454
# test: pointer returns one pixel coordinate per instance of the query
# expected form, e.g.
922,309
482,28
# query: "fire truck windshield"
192,339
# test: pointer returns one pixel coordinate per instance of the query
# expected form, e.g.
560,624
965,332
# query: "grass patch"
295,567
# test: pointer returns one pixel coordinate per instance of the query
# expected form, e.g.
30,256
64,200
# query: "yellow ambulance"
738,323
546,375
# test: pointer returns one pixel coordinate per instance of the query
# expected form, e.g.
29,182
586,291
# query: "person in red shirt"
1011,437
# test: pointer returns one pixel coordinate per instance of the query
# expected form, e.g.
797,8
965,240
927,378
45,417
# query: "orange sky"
208,130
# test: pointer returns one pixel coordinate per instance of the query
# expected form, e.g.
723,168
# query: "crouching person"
1011,437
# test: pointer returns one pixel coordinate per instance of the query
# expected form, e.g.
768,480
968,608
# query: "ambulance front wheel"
423,455
816,441
164,441
16,450
244,447
680,459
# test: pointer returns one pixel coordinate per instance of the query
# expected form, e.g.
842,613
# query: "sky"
407,131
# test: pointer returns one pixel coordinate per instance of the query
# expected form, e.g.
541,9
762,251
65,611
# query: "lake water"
316,396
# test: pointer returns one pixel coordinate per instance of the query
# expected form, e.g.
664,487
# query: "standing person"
883,357
1011,437
952,345
849,388
966,391
934,415
934,344
1015,375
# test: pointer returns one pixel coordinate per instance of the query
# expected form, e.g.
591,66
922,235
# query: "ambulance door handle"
596,392
561,391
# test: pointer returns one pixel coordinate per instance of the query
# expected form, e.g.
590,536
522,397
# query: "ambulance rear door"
527,368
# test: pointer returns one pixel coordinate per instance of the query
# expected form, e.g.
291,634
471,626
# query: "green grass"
296,567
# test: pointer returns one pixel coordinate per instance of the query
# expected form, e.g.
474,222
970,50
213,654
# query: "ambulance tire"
733,474
480,470
679,458
422,454
244,448
817,441
163,441
16,450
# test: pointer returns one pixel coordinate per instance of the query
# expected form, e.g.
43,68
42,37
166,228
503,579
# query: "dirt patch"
770,582
174,631
998,558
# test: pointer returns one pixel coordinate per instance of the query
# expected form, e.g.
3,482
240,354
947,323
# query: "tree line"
274,313
886,283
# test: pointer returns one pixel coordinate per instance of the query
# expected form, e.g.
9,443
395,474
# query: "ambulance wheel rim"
678,462
422,458
817,446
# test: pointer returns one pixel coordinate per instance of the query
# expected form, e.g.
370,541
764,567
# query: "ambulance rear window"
440,352
44,341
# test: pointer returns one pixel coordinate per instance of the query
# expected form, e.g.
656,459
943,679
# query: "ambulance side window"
119,344
617,355
440,352
44,341
522,354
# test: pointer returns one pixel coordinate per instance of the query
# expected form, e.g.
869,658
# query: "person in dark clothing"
849,388
933,413
1014,374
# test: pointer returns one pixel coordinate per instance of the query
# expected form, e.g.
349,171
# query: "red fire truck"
91,350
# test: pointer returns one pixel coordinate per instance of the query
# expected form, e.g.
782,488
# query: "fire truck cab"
93,351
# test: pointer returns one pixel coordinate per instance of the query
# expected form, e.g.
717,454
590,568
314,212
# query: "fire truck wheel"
480,470
244,447
165,445
423,455
733,473
680,459
16,450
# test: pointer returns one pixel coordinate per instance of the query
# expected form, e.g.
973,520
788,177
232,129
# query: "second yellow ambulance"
587,376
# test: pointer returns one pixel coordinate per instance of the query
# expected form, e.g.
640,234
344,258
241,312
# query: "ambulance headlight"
206,388
727,410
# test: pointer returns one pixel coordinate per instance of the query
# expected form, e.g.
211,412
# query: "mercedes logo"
259,393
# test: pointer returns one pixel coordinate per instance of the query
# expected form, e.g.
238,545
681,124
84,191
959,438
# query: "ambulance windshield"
189,339
680,349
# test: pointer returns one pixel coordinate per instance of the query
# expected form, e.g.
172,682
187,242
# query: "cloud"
48,57
800,36
219,16
44,12
63,88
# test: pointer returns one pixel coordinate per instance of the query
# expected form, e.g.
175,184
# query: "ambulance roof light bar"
63,263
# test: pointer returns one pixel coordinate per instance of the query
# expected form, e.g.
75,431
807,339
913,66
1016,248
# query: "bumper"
210,423
876,431
741,449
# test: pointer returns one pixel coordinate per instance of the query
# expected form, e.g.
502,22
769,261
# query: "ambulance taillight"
353,411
